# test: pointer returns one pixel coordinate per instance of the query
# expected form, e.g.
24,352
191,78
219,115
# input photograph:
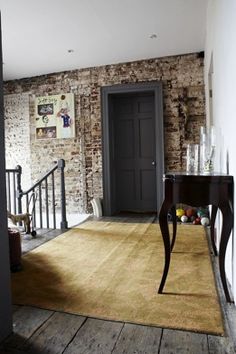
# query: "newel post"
61,167
18,188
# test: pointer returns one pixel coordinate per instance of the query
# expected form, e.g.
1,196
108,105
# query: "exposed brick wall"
17,132
182,78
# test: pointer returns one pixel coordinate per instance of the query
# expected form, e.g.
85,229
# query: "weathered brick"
83,154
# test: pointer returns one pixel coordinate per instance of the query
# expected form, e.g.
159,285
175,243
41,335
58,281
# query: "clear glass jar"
192,158
207,150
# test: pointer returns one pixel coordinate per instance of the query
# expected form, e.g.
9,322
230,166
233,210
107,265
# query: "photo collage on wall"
55,116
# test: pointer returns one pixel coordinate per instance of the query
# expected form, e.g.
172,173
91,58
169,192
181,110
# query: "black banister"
41,208
14,191
54,168
8,180
53,201
61,167
46,202
35,197
18,188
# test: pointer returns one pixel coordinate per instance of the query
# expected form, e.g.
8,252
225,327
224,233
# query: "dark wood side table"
198,190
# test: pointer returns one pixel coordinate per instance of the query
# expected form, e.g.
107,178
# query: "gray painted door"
135,152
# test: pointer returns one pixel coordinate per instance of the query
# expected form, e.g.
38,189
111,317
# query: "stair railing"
40,200
13,189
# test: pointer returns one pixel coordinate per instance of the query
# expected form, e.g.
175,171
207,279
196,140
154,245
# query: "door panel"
126,189
124,144
146,134
145,106
135,151
147,178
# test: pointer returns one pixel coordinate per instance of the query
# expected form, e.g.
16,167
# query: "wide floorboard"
42,331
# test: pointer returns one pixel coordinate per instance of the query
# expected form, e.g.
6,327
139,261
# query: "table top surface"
213,176
184,173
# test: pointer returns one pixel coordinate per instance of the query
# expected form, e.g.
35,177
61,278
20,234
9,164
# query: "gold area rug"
112,270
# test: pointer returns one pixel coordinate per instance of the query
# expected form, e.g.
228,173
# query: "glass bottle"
203,139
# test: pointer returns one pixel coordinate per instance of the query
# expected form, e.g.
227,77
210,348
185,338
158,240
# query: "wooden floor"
42,331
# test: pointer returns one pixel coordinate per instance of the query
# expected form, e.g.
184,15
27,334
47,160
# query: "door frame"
154,87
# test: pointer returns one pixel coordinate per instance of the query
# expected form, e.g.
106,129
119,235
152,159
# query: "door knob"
153,163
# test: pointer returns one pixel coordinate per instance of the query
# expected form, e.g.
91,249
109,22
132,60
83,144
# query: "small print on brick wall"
55,116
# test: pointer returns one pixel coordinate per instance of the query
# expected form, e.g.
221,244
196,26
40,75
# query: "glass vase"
207,150
192,158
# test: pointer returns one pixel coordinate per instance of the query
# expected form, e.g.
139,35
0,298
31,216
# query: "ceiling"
38,36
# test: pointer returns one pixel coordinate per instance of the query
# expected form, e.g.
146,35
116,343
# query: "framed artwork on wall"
55,116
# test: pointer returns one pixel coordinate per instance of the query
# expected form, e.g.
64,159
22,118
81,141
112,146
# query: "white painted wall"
17,135
221,45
